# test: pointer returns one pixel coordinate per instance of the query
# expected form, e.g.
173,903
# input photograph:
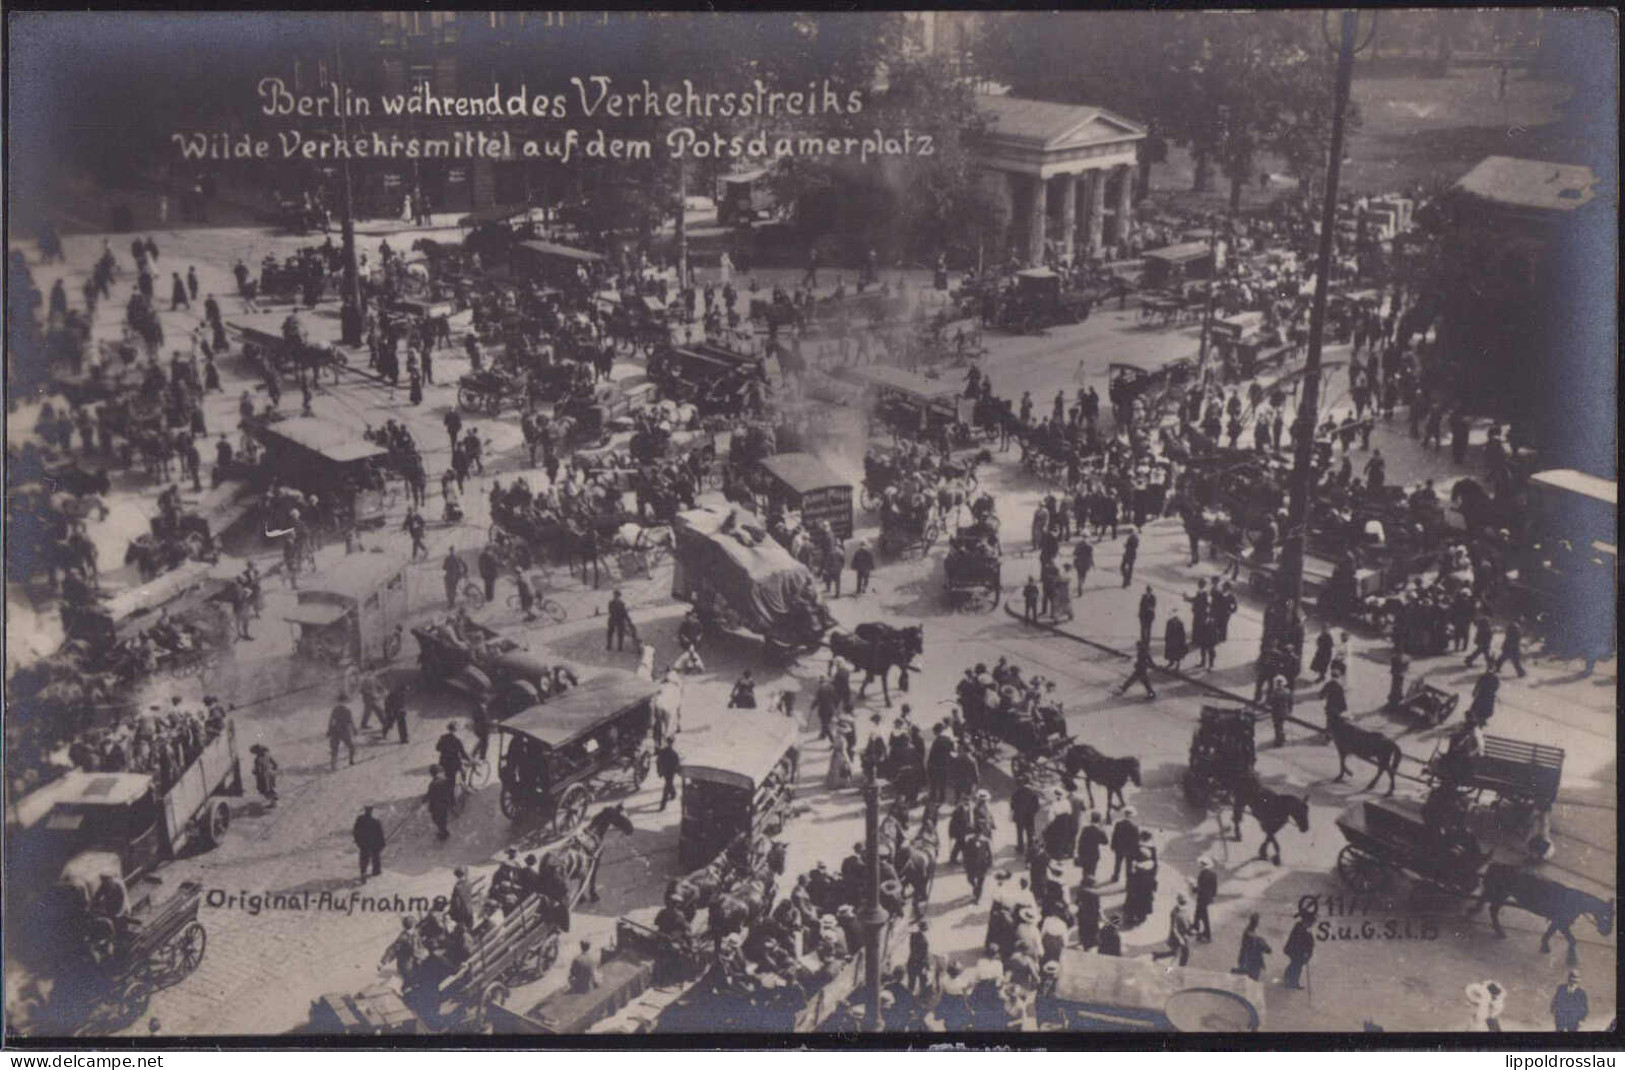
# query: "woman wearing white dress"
1487,1000
727,268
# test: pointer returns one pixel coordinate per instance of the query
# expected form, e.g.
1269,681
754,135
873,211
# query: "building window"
421,74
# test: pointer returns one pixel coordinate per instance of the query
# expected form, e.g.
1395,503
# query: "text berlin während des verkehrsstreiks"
592,98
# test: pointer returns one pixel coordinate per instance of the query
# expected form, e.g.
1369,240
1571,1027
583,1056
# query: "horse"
738,908
1374,747
1272,809
576,859
1109,773
1557,903
876,649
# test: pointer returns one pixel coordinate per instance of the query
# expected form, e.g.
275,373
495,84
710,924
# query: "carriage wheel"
392,646
130,1003
473,595
640,768
992,596
219,820
552,611
495,995
510,804
469,399
1359,870
195,546
572,808
928,537
193,942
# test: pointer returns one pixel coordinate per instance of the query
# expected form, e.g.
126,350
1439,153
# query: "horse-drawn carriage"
107,981
490,391
638,325
1389,836
739,579
1522,777
555,759
1428,704
971,577
1035,300
906,527
1221,757
738,780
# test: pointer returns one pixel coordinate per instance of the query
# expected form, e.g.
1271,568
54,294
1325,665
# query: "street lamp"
1302,472
873,918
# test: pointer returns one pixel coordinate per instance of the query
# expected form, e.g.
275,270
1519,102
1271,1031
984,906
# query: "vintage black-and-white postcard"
546,524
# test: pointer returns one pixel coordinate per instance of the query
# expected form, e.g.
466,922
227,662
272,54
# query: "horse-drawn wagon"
1521,776
555,759
739,579
738,780
355,617
1389,836
972,580
1222,756
490,391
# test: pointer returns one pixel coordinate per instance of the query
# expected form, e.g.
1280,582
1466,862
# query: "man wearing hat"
584,969
919,956
1278,700
1024,806
461,909
340,731
1091,841
1569,1005
1179,930
369,841
440,797
1207,890
981,818
1300,948
1125,842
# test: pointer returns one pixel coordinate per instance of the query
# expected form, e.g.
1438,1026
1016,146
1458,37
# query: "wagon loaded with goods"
740,580
1222,756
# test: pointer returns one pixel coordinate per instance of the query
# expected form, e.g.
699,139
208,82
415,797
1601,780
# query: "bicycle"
471,595
541,605
474,776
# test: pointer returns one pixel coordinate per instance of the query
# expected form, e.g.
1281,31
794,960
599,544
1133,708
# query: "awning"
316,614
547,248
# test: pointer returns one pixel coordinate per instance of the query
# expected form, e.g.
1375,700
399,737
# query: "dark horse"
877,649
1374,747
1109,773
576,859
1557,903
1272,809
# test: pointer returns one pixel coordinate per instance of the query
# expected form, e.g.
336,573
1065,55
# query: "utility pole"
1212,293
1302,466
352,274
873,919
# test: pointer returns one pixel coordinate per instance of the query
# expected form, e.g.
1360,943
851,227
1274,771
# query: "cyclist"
453,757
480,724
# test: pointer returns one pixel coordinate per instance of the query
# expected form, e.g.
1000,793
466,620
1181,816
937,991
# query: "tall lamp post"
873,919
1302,471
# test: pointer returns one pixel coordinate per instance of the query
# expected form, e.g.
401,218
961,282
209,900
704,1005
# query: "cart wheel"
996,596
195,546
572,808
474,595
495,995
640,768
928,538
194,940
510,804
131,1003
392,646
1359,870
216,823
468,399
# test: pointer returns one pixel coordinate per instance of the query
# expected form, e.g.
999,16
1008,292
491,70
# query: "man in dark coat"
369,841
965,775
1148,613
1125,841
667,766
1300,948
490,569
619,624
1083,559
938,763
454,570
1060,837
1207,890
1023,812
1143,663
1091,841
1131,553
1088,901
1511,650
863,563
1111,941
440,798
394,712
958,828
1569,1005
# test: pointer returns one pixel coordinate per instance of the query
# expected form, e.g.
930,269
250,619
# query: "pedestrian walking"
1206,890
490,568
440,797
1091,841
1511,649
1030,599
1083,557
394,713
479,723
1483,637
455,570
265,770
369,842
1173,642
863,563
1142,669
1278,701
1148,614
340,732
743,696
667,766
619,625
1300,948
1179,943
1250,957
1131,551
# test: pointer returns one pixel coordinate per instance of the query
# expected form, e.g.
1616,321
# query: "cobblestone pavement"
264,967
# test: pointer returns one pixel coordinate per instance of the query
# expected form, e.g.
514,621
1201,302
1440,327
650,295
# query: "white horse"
667,706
